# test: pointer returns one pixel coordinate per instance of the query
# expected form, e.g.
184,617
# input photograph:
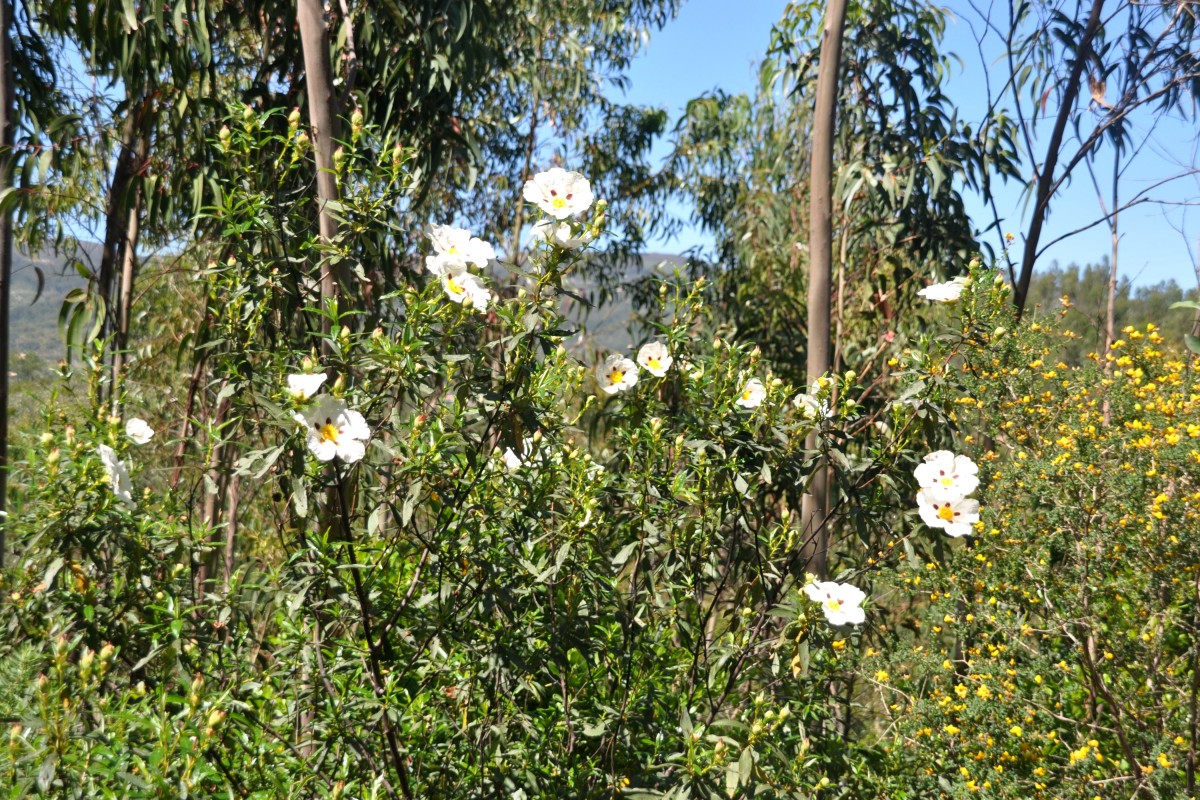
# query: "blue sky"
717,43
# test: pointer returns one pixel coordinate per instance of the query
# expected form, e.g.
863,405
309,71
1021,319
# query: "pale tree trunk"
128,271
7,137
815,503
323,120
1110,312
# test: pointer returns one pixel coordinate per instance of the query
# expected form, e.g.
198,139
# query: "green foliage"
615,606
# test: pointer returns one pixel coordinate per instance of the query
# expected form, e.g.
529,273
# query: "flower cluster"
946,481
561,195
455,250
616,373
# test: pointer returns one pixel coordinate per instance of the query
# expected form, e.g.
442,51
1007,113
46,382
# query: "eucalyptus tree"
1139,61
901,159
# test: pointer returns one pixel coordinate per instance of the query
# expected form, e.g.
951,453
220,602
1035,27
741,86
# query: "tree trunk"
1046,176
323,120
815,503
116,220
7,137
128,251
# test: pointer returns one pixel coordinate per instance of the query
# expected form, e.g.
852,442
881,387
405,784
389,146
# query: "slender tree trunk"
212,495
232,501
1110,312
1046,175
128,270
116,220
7,137
323,120
814,505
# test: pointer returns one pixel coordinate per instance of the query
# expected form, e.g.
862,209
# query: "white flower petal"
559,193
616,374
655,357
946,292
138,430
752,394
304,386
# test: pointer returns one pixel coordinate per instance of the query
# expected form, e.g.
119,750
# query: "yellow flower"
951,729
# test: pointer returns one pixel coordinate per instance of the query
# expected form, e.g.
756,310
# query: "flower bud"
247,114
339,157
294,119
85,663
356,120
107,652
53,456
46,438
215,718
302,140
224,134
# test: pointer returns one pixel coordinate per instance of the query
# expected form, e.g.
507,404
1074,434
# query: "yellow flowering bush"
1054,651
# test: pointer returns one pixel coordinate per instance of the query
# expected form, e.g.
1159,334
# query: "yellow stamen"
558,202
947,481
653,363
328,432
946,513
616,376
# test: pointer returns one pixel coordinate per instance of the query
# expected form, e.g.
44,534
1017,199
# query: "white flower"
304,386
944,292
946,471
559,193
811,408
525,456
948,510
334,430
560,234
752,394
511,460
656,358
616,374
457,245
138,430
118,474
465,288
841,602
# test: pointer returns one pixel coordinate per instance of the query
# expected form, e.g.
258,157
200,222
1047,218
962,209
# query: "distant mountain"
33,327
